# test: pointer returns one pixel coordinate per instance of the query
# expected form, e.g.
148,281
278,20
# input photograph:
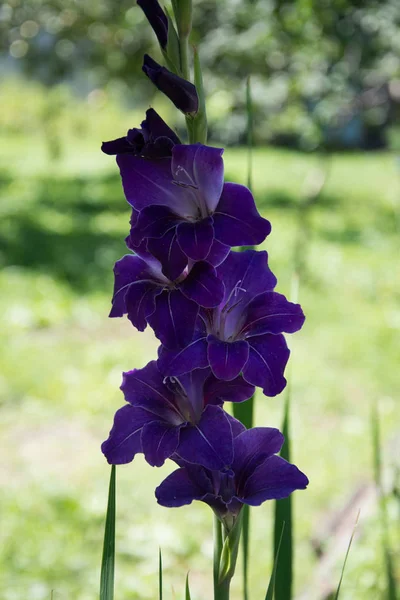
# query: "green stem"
184,50
218,543
221,592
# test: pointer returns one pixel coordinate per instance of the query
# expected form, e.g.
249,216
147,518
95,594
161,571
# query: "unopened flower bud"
181,92
157,19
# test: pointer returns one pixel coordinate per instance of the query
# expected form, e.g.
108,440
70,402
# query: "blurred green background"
326,87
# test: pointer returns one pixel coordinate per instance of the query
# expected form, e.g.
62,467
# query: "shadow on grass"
73,228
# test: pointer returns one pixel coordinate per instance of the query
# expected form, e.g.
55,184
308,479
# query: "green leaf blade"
108,558
283,529
270,595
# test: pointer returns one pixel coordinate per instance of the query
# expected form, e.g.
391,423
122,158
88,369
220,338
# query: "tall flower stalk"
215,311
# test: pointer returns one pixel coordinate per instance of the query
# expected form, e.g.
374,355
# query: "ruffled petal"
203,286
145,388
124,440
174,319
194,356
149,182
252,447
246,274
272,313
227,359
153,222
179,488
266,364
201,169
237,221
217,391
218,253
272,480
159,442
210,442
195,239
135,289
169,253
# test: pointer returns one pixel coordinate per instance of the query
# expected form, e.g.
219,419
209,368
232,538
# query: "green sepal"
200,118
230,550
172,52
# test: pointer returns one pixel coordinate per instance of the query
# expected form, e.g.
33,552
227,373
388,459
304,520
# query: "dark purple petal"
218,253
252,447
154,127
210,442
181,92
179,489
274,479
153,222
124,440
203,286
237,221
200,168
159,442
149,182
193,384
145,388
169,253
119,146
267,361
236,426
236,390
135,290
175,363
195,239
272,313
141,302
247,273
174,319
157,19
227,359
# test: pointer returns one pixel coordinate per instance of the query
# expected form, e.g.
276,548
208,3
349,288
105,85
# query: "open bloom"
171,308
179,416
183,208
153,140
255,475
243,334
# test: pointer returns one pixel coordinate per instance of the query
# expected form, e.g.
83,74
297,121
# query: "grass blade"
187,590
108,559
345,558
160,575
283,534
391,591
271,586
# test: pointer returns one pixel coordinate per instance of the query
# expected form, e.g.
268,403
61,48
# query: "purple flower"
180,416
170,307
183,208
157,19
243,333
181,92
254,476
154,140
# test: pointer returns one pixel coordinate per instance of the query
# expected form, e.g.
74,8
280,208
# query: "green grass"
61,229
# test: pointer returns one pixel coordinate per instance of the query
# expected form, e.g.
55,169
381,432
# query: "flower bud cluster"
215,311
